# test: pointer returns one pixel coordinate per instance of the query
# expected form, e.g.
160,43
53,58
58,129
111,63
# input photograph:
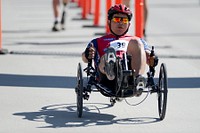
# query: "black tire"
162,91
79,91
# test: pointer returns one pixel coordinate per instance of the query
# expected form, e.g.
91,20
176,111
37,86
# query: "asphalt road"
38,75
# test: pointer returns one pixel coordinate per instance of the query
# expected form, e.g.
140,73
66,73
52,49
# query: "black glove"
87,52
153,61
90,52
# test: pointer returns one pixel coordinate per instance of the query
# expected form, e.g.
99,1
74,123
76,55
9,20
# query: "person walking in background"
127,3
59,25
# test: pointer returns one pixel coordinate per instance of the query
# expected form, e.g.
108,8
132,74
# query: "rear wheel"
162,91
79,91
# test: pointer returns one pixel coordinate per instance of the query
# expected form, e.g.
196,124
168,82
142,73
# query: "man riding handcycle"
120,61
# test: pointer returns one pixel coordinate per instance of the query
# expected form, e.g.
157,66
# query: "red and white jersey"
120,44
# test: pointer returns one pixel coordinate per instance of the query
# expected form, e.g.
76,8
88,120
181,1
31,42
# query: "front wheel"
79,91
162,91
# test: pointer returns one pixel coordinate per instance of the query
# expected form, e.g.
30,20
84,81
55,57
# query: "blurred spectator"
126,2
59,25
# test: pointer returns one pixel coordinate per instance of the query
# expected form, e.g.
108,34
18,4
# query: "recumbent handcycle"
124,85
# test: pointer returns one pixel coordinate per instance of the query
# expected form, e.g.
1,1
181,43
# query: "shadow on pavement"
186,82
37,81
64,115
70,82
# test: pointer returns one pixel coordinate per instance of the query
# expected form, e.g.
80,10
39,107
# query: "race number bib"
119,45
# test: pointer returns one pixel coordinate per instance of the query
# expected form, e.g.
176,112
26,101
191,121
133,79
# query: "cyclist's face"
119,23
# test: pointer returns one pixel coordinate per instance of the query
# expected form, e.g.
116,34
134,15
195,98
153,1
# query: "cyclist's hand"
153,61
90,52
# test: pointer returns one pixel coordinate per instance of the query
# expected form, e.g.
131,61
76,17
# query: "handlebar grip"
90,62
152,52
152,69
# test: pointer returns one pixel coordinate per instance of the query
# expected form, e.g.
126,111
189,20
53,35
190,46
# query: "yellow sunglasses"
119,19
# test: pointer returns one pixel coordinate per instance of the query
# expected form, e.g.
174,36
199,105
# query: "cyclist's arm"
84,58
147,49
94,45
151,60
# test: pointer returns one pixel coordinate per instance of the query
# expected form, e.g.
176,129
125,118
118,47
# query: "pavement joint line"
50,53
62,53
